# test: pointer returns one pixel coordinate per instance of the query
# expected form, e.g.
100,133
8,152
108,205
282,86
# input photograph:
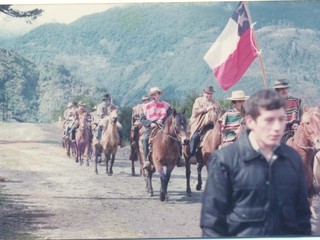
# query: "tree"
28,15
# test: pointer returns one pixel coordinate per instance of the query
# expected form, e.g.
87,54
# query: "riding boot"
99,133
73,134
121,138
146,149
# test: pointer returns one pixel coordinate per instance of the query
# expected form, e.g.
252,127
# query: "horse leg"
113,155
149,183
165,178
133,172
199,169
313,212
188,174
96,164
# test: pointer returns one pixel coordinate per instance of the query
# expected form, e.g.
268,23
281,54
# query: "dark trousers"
146,136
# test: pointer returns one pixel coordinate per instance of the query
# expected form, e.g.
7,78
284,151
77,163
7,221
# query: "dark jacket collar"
247,153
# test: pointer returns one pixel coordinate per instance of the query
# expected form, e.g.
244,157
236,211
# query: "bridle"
177,138
308,139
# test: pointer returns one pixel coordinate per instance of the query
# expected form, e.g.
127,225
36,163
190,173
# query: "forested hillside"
126,50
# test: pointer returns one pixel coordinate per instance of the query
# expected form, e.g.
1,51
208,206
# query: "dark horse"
306,141
165,151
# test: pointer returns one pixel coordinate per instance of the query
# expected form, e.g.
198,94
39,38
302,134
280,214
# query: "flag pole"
255,40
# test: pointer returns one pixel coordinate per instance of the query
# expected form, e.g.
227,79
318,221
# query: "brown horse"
306,141
82,140
211,142
110,140
165,151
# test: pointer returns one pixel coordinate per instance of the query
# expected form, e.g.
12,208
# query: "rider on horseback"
292,107
154,114
205,113
70,115
103,110
81,110
232,119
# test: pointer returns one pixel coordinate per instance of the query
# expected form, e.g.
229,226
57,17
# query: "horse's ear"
174,112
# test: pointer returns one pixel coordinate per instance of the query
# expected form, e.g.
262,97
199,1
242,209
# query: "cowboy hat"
208,89
106,96
238,96
145,98
154,90
281,83
94,108
69,105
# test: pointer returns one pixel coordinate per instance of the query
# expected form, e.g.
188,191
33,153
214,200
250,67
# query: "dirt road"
44,194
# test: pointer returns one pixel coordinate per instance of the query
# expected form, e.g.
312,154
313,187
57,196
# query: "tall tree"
28,15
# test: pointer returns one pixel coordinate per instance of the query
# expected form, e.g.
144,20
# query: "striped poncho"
230,123
292,108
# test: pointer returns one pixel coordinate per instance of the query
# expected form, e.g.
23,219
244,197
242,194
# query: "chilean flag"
234,50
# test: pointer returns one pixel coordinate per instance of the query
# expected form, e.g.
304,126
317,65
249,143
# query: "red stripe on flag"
230,72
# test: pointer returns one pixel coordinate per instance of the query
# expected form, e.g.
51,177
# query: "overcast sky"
57,13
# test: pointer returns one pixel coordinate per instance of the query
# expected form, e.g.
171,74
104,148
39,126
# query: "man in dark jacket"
256,186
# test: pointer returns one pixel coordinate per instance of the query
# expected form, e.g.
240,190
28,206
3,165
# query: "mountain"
129,49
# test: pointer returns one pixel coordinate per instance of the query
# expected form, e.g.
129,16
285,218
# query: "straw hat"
208,89
238,96
94,108
154,90
145,97
281,83
69,105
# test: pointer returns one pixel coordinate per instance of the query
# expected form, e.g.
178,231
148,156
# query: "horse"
136,152
165,151
211,142
136,138
82,140
306,141
110,140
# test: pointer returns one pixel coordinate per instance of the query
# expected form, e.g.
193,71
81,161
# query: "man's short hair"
265,99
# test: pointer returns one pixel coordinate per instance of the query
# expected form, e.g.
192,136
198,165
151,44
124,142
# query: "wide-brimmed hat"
154,90
208,89
94,108
145,98
281,83
238,96
80,103
69,104
106,96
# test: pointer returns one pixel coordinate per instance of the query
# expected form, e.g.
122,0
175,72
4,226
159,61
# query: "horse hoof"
162,197
150,194
189,193
198,187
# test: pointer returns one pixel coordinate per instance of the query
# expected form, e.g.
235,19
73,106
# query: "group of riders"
152,112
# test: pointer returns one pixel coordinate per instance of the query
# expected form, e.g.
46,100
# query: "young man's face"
268,128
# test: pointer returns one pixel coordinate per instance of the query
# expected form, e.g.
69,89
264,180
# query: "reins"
178,139
308,139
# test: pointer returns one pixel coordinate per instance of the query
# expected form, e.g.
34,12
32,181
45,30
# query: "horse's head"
113,116
180,126
311,124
